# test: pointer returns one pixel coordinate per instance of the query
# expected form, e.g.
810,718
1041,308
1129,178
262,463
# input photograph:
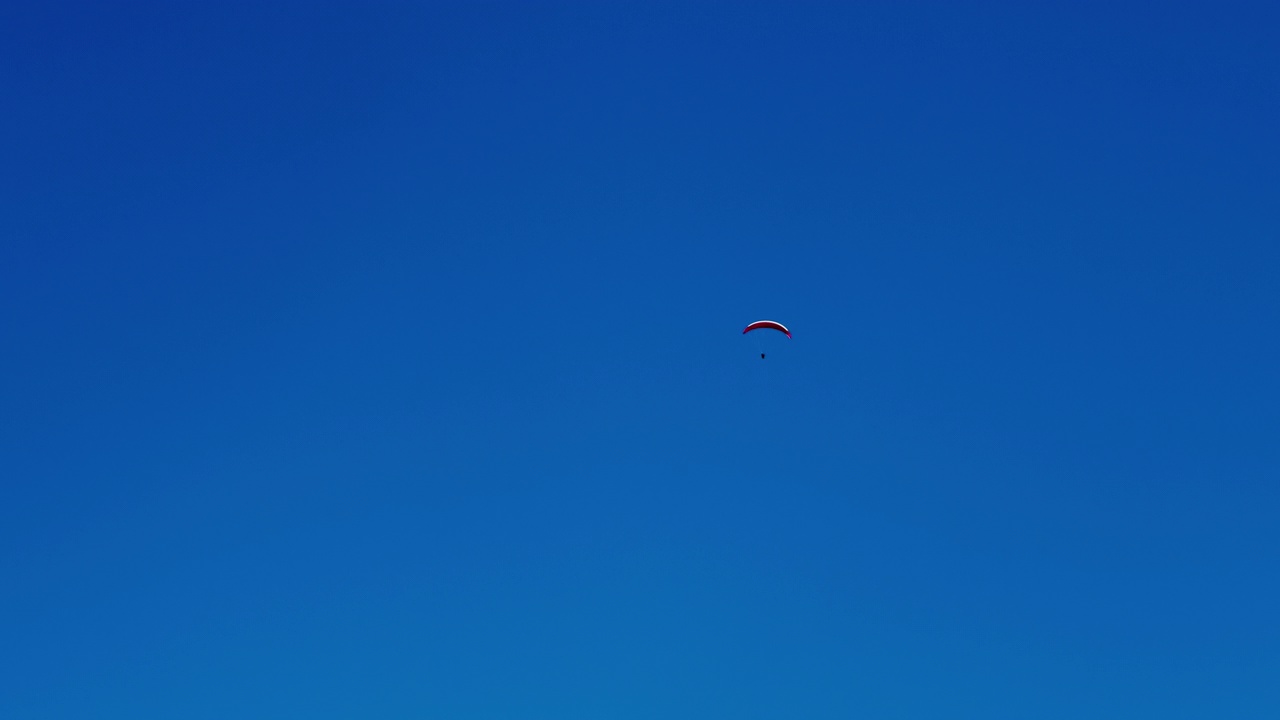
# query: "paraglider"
770,324
767,325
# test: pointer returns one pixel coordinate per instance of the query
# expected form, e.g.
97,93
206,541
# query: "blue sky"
383,360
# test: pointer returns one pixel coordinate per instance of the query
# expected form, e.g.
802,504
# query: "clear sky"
383,360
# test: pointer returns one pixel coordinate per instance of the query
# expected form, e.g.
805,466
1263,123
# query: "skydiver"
761,356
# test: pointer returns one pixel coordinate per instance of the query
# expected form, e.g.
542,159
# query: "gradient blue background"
384,360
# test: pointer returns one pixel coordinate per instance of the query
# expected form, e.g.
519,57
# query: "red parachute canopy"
761,324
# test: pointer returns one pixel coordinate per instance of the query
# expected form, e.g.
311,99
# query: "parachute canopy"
762,324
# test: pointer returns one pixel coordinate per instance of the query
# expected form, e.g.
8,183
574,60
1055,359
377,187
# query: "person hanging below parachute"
767,325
